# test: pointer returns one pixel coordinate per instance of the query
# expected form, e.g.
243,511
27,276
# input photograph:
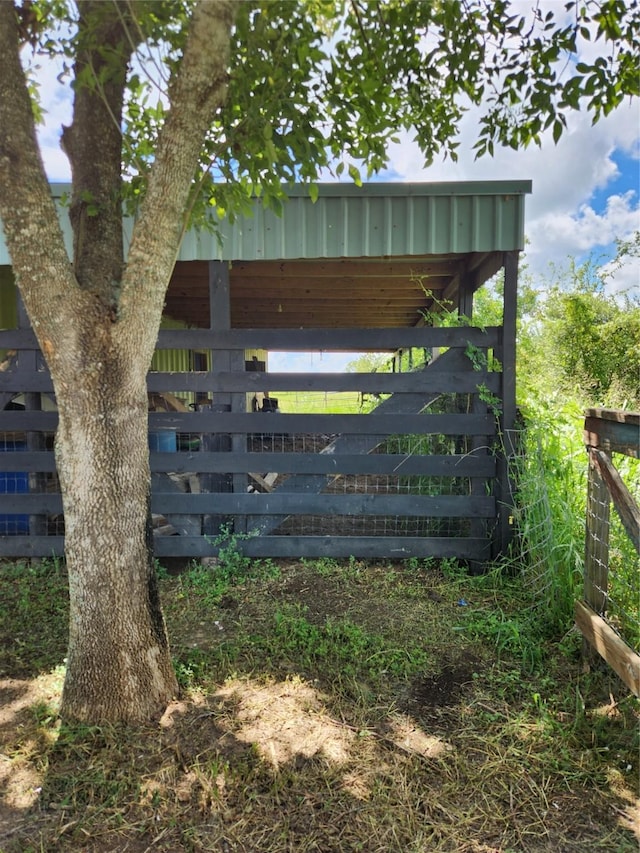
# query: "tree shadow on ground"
265,765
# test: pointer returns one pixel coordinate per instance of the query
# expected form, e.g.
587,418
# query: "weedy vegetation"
326,705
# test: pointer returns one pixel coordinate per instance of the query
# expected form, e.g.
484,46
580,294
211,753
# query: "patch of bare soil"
441,690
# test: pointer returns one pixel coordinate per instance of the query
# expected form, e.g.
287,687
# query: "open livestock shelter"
420,470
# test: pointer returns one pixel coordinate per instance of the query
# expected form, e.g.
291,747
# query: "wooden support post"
465,298
224,361
507,355
478,444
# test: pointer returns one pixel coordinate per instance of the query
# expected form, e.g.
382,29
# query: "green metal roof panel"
377,219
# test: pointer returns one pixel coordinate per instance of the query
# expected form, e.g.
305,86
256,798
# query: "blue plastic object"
163,441
13,483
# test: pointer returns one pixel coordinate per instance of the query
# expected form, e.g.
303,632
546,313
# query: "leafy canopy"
326,84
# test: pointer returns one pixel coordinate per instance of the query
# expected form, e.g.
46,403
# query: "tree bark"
97,325
118,661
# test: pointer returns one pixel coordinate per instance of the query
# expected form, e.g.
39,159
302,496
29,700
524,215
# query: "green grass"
329,705
319,402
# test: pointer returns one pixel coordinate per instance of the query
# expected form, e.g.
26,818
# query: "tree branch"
196,93
32,230
93,144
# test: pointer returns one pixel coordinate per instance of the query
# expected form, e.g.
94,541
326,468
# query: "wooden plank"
340,340
399,548
467,465
17,421
281,423
459,381
616,436
504,484
264,484
18,339
42,461
614,415
21,380
35,443
316,289
31,546
294,503
622,498
33,504
609,645
338,269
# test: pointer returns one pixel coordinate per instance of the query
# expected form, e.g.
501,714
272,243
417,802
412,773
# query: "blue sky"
586,189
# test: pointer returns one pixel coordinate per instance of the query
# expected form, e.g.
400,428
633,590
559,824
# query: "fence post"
596,558
596,561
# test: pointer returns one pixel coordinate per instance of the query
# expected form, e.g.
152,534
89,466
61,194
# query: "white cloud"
560,219
576,232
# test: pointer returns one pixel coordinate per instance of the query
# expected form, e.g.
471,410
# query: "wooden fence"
607,432
270,474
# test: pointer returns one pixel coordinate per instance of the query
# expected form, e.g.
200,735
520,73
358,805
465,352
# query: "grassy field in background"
320,402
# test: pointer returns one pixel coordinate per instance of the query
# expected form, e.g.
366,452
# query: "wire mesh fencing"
547,473
570,543
612,570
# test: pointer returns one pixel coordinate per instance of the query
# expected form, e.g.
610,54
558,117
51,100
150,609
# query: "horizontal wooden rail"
461,382
460,465
279,423
340,340
397,547
613,431
228,503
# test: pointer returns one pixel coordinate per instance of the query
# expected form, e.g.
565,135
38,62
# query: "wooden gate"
416,476
602,617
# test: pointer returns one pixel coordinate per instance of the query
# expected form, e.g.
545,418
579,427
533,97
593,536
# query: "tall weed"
550,477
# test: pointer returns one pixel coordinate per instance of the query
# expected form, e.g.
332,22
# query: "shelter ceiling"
329,293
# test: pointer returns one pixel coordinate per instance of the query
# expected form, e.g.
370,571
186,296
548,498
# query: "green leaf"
354,174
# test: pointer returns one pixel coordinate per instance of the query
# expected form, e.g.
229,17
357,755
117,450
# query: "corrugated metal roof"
375,220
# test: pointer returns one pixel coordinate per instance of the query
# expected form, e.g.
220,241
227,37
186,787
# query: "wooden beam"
308,299
620,657
369,267
613,430
344,288
350,339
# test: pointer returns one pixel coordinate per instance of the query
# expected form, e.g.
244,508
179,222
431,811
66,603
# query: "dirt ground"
328,707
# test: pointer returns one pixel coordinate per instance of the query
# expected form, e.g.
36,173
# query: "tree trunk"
97,324
119,665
